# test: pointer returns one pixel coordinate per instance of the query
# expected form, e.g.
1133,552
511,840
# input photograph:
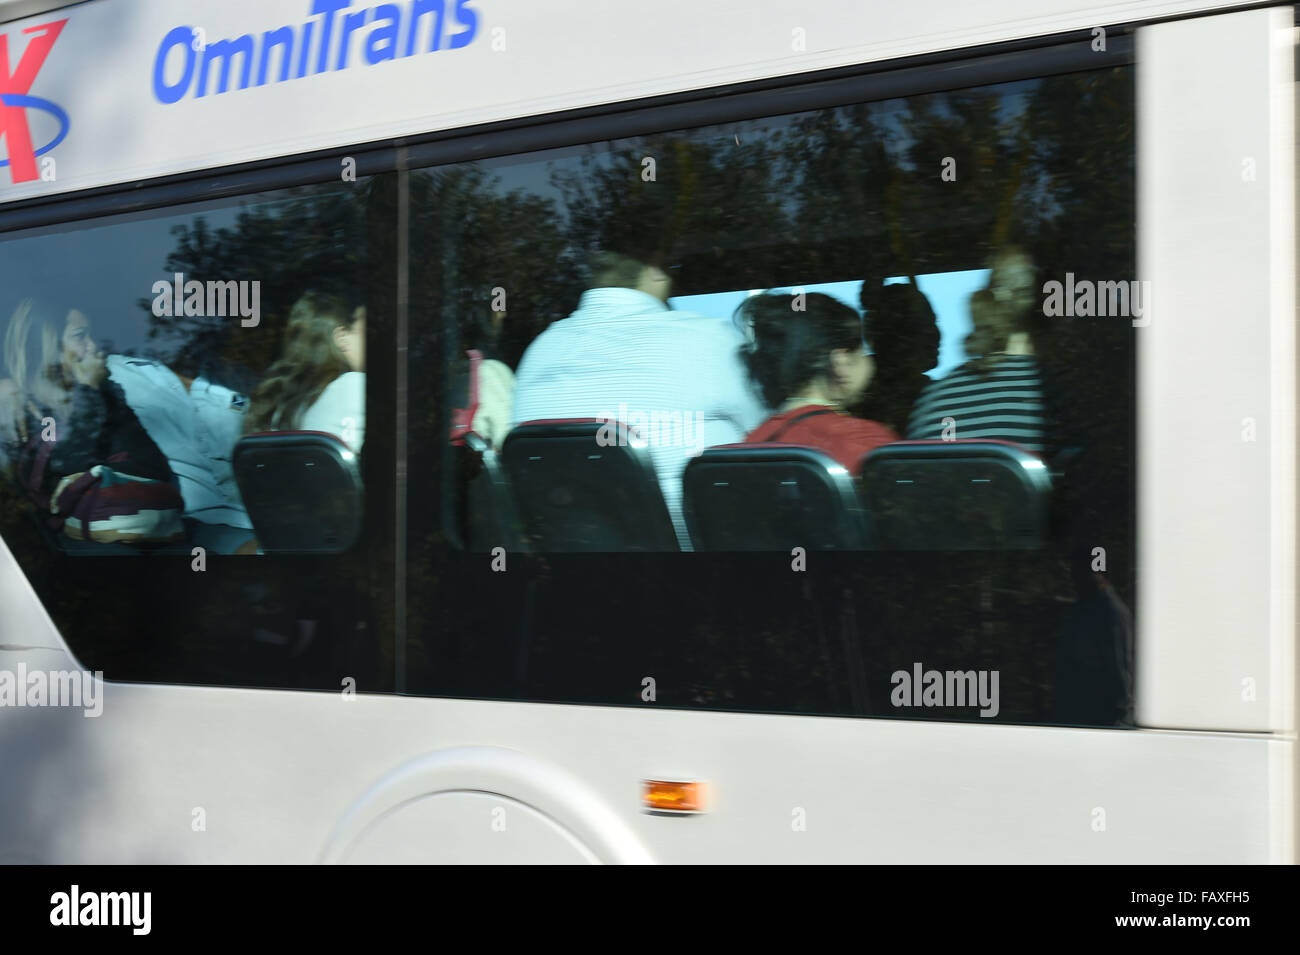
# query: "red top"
845,438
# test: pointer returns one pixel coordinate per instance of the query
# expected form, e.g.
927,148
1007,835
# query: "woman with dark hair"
319,384
997,394
811,362
901,327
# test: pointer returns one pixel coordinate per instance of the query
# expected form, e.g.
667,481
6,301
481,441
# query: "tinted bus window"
189,479
911,324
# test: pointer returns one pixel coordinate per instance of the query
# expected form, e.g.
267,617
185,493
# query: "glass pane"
894,260
142,354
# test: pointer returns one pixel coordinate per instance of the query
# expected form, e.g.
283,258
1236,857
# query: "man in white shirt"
195,423
625,354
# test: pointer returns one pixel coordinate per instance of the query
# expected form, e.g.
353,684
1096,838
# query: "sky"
949,294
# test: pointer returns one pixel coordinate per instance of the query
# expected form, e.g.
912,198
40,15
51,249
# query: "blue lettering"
419,9
270,40
351,23
225,51
292,49
182,37
328,8
374,52
306,49
469,20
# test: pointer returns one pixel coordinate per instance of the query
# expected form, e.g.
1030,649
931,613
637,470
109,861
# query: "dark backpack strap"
795,420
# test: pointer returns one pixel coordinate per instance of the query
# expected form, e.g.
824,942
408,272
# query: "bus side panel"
1216,172
205,774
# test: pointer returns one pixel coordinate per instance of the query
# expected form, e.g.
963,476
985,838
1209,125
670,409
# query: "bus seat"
957,495
747,497
586,484
302,490
488,517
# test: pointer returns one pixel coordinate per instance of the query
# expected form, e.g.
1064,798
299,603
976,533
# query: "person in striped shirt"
998,394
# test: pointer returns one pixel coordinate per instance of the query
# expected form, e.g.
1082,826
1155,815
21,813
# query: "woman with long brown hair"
319,384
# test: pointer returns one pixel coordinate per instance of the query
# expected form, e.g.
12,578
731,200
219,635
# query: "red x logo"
14,100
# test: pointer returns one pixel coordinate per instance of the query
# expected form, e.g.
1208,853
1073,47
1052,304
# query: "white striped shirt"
624,354
1006,404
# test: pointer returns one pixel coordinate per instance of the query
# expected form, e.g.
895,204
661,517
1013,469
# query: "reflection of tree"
468,238
705,194
849,193
312,239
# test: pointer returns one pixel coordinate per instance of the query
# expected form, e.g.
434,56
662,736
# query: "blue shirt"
196,430
676,377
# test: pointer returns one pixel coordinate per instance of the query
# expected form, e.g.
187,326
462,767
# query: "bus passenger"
195,422
483,386
68,436
812,364
997,395
625,349
901,327
319,384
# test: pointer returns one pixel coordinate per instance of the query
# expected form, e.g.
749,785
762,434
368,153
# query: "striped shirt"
676,377
1006,404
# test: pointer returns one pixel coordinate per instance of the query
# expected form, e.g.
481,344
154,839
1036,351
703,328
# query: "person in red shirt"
811,361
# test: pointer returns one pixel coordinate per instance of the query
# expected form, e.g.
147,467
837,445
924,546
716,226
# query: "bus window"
782,415
183,440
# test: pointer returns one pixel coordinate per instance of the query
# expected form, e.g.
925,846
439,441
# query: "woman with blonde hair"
43,358
68,436
997,394
319,383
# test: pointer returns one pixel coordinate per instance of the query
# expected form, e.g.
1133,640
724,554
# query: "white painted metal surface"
299,777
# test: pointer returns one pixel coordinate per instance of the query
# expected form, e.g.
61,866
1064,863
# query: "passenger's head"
615,270
325,338
46,353
1012,282
1004,308
901,326
814,351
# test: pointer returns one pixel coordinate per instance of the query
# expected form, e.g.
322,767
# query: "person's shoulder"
1015,361
869,430
346,391
554,335
119,364
494,372
8,389
350,383
720,335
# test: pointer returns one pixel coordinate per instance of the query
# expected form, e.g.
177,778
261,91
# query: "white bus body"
221,774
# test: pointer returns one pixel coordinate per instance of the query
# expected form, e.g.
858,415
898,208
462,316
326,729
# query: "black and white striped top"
1006,404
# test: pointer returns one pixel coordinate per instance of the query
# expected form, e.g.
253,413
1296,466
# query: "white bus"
1063,631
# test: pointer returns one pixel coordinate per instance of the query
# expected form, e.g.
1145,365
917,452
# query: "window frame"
1029,58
